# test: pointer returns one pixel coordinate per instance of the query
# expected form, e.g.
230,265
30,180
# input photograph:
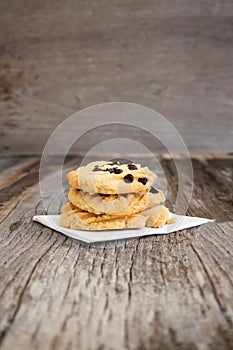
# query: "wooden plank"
13,170
175,59
213,188
171,292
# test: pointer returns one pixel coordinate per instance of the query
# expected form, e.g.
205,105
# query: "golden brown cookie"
77,219
115,204
157,216
111,178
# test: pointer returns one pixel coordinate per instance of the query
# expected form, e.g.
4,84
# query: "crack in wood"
3,333
218,301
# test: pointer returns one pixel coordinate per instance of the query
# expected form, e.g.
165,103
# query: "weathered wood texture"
58,57
162,292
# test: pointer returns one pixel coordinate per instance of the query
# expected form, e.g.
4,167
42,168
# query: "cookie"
115,204
156,216
77,219
111,178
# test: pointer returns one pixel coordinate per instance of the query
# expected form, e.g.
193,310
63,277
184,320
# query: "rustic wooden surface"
57,57
160,292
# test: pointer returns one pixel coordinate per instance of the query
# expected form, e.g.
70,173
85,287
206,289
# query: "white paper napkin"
182,222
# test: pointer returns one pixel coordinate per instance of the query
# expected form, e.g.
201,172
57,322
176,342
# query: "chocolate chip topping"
128,178
132,167
153,190
96,168
114,170
117,171
143,180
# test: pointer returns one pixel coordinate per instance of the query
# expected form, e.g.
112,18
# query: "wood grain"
57,58
159,292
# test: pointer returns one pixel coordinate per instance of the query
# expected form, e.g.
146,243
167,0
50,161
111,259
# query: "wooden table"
159,292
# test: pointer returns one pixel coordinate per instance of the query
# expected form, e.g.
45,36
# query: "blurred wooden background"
58,57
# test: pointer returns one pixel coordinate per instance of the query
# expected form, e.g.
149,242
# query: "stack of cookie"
113,195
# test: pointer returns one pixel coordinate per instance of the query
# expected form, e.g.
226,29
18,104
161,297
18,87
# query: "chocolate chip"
110,170
153,190
132,167
128,178
96,168
117,171
143,180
